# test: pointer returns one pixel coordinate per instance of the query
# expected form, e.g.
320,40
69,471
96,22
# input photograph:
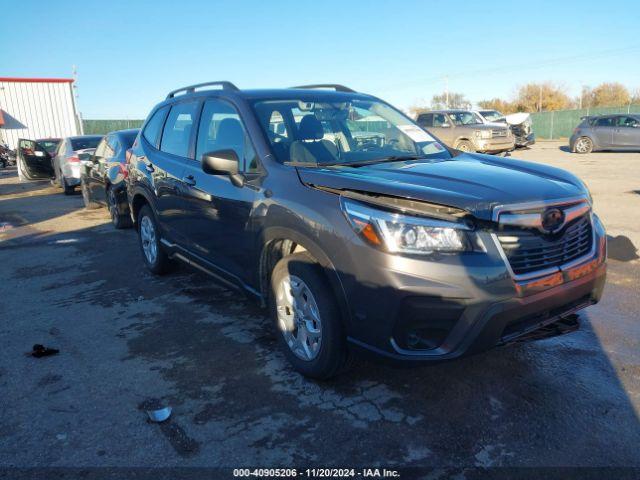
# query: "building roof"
35,80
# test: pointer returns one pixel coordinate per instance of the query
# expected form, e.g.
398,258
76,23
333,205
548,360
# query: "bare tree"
451,100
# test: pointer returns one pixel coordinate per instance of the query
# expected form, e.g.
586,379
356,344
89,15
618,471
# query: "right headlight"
398,233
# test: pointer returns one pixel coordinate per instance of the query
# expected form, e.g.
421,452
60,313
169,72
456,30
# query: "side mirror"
223,162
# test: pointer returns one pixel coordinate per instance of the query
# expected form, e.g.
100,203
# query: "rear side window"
177,129
154,125
604,122
439,120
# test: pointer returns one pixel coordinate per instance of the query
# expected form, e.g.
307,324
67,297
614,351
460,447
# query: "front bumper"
525,141
495,145
447,307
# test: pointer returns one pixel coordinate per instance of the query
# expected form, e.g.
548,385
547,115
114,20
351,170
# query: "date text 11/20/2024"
316,473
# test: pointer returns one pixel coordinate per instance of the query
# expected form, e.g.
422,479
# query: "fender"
273,233
140,190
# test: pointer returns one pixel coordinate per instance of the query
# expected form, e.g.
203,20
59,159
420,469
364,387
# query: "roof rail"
192,88
335,86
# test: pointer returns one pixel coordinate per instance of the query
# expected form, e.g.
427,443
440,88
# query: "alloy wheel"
299,317
582,145
113,206
148,239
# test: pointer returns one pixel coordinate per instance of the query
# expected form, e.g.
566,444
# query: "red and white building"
36,108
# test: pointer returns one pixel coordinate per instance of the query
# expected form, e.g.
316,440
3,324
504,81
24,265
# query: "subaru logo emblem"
552,220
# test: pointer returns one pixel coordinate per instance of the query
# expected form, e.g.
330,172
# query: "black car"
103,173
358,228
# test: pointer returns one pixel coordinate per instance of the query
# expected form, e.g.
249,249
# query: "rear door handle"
189,180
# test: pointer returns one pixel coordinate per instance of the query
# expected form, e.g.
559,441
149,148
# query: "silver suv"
463,130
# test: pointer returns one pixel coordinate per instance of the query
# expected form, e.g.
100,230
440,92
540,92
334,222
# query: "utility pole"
446,91
540,100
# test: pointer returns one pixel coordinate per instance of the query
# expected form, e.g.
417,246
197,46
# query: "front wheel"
154,256
307,317
465,146
583,145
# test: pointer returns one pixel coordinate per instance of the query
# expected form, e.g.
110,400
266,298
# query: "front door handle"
189,180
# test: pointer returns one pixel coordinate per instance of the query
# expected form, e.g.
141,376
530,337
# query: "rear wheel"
464,146
154,256
583,145
119,220
89,204
68,189
307,317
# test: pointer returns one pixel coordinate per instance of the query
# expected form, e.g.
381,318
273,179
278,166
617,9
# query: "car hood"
471,182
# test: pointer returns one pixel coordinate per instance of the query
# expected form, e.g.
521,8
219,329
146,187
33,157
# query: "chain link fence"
102,127
560,123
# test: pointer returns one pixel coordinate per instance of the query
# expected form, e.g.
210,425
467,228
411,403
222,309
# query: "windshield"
82,143
491,115
464,118
343,132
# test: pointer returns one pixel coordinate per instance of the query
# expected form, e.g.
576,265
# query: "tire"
55,180
119,220
583,145
68,190
156,259
86,197
465,146
327,356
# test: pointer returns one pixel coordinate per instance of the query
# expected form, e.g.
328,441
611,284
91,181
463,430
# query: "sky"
129,55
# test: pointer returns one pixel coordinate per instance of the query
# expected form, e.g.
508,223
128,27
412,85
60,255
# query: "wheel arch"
279,242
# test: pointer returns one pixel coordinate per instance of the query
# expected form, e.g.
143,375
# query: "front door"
219,213
34,162
626,132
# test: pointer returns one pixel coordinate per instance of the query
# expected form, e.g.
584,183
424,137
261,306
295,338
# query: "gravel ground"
128,340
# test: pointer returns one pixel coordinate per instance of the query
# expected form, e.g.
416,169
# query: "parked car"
67,160
463,130
606,132
403,248
102,178
519,123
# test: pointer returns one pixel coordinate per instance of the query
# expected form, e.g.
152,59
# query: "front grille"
499,133
528,250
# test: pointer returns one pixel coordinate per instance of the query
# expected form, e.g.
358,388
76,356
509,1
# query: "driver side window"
221,128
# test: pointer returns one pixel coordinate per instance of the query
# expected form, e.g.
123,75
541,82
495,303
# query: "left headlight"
398,233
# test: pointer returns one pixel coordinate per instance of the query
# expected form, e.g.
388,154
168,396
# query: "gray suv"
606,132
465,131
357,228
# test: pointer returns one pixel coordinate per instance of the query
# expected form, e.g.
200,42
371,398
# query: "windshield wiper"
393,158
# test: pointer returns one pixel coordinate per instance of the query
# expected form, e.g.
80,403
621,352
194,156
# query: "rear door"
626,132
167,166
603,131
34,162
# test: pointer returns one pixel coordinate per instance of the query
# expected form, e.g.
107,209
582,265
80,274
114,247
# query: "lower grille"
529,251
